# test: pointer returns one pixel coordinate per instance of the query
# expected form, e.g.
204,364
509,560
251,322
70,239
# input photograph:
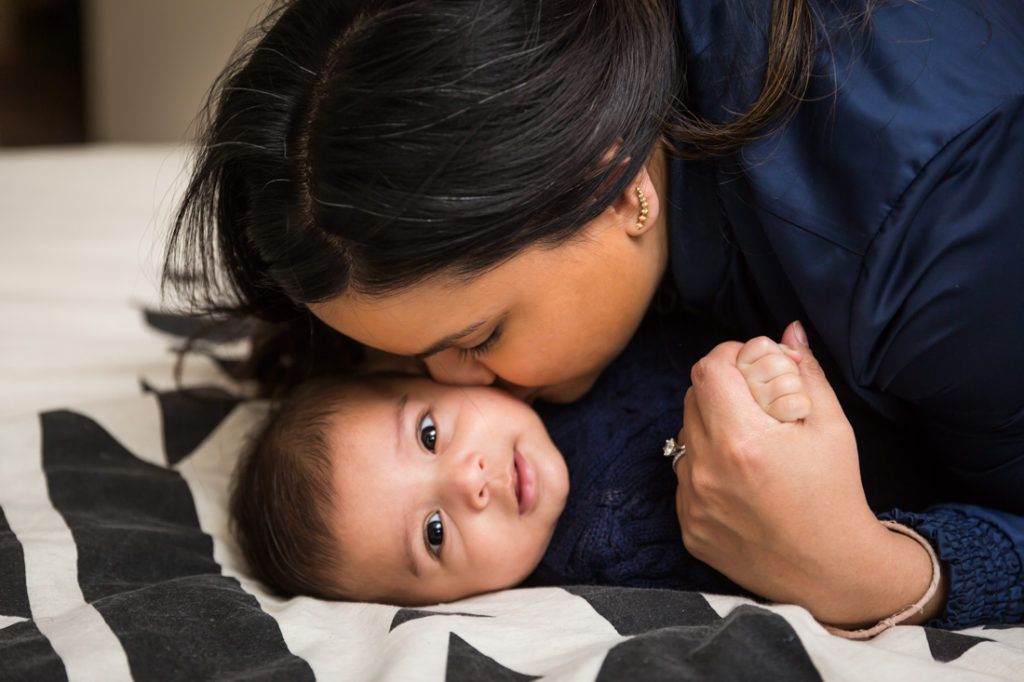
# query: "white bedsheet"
81,232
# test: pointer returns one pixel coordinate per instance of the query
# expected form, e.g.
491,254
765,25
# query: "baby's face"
442,491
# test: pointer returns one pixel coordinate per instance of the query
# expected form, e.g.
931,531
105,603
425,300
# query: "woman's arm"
780,509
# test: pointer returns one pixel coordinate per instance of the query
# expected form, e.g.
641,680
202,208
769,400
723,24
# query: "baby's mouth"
515,483
524,483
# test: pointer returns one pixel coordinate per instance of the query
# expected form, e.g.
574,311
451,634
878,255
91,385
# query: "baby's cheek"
528,557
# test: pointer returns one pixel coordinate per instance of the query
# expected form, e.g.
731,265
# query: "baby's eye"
428,433
433,533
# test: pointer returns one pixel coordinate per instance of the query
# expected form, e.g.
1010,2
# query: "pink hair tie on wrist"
916,607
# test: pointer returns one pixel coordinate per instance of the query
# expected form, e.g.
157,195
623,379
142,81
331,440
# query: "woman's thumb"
795,336
816,384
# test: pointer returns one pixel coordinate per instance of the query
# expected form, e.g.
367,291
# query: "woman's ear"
636,208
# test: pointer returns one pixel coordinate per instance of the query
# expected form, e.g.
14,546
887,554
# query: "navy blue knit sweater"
619,526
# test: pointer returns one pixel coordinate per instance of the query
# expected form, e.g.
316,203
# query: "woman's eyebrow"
447,341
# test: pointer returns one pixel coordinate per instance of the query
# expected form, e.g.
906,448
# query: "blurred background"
74,71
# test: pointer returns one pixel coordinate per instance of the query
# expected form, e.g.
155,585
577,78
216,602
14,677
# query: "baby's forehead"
361,390
394,386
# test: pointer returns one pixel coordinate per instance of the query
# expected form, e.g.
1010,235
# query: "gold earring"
642,218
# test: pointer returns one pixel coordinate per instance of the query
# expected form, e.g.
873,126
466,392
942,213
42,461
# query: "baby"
397,489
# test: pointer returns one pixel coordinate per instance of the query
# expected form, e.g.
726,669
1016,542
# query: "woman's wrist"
899,581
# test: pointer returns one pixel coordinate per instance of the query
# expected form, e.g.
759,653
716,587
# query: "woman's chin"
567,391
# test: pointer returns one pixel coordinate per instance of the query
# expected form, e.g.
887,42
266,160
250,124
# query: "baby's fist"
773,376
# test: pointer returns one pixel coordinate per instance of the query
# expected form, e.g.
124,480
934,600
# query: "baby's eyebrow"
399,409
410,536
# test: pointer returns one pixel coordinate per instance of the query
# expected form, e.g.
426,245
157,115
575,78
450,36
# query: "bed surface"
115,559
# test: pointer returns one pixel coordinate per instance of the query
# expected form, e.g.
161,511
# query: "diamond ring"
674,450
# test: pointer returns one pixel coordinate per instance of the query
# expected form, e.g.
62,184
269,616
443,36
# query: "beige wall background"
149,63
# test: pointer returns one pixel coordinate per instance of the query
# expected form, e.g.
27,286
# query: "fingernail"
800,334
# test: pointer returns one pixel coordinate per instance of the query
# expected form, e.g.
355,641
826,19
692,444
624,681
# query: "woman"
500,189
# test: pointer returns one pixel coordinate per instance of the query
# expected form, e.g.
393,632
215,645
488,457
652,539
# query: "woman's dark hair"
283,494
361,146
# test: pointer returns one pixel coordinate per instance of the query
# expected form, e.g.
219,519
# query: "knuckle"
695,544
698,373
724,354
688,539
746,458
703,482
778,364
757,346
790,408
725,351
787,384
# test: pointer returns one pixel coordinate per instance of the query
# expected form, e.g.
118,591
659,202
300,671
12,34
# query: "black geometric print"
190,416
948,646
25,654
148,567
749,644
200,627
120,509
188,327
632,611
466,664
13,593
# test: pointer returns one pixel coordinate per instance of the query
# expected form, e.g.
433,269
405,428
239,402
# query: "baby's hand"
772,374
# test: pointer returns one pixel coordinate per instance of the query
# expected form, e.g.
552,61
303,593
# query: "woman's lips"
525,483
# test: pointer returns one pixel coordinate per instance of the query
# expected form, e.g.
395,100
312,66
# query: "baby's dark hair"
283,495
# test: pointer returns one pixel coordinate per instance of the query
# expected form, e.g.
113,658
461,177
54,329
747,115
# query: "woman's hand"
779,507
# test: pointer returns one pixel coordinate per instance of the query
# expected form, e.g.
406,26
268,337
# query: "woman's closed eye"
427,433
433,533
483,347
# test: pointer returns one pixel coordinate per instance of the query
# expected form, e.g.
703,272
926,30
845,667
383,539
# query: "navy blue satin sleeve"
951,307
953,349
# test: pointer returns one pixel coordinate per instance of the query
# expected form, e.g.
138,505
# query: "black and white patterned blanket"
115,558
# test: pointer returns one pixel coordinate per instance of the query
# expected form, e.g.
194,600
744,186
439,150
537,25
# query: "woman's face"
541,325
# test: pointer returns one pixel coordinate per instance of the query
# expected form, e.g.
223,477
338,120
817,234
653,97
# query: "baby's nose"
470,482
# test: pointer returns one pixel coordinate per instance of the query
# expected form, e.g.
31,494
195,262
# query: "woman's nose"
451,367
